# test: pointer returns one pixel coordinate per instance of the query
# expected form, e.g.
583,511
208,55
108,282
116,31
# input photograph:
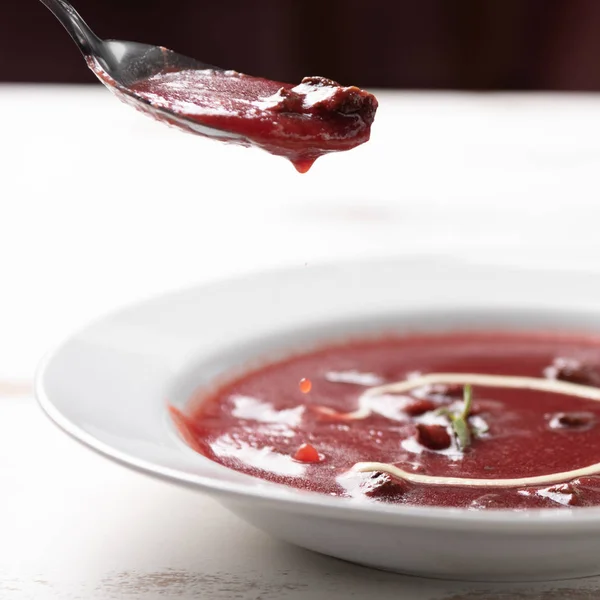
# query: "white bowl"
109,386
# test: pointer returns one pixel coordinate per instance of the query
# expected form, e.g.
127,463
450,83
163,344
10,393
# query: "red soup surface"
299,122
292,422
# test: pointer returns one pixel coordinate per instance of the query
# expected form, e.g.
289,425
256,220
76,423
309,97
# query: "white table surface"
100,207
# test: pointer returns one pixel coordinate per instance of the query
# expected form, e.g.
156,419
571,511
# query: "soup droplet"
305,385
307,453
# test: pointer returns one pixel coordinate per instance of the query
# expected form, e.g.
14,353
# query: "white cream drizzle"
370,467
499,381
502,381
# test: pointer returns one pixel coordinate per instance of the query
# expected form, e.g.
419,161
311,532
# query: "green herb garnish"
460,421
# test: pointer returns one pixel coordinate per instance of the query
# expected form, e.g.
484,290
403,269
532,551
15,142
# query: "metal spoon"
299,123
120,64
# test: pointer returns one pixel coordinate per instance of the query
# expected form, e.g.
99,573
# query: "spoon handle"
84,37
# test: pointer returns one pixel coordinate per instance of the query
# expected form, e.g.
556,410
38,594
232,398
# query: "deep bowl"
109,386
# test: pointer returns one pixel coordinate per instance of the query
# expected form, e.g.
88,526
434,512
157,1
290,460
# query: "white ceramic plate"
109,385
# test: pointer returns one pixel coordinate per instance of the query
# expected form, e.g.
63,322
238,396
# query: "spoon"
300,123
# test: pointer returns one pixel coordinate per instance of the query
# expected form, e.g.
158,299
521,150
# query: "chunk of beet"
383,487
587,483
573,420
420,407
568,491
576,419
573,371
433,437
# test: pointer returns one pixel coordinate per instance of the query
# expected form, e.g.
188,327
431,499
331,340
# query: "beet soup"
481,420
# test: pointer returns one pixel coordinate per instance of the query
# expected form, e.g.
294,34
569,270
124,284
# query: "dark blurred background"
422,44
